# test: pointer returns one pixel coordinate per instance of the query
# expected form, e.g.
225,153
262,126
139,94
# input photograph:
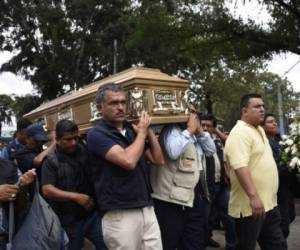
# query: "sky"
281,64
285,62
10,83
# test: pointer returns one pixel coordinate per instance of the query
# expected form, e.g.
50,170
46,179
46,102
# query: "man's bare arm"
38,160
127,158
220,134
54,193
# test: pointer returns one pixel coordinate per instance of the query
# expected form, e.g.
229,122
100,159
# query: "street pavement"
293,239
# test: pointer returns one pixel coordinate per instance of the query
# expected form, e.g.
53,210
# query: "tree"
62,44
6,112
24,104
218,89
211,29
291,99
279,34
175,35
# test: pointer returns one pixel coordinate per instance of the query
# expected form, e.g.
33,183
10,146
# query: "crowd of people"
124,186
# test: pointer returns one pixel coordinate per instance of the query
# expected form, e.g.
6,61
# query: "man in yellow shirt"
254,180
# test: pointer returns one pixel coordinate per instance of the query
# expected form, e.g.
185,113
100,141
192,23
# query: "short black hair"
65,126
245,99
23,123
114,87
268,115
208,117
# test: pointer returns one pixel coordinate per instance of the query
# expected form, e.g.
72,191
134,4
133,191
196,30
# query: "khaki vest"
175,181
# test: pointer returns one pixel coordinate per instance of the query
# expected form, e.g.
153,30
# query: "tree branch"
289,8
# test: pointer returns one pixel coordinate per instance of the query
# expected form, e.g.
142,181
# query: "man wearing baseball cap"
33,154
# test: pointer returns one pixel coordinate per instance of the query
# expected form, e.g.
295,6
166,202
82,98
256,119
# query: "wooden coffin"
148,89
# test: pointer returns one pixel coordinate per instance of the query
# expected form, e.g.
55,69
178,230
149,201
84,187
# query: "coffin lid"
133,73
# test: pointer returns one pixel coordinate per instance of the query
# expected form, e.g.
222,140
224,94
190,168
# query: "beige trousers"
131,229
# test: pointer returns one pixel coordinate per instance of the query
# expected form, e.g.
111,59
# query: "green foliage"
61,45
281,34
290,99
218,89
24,104
6,112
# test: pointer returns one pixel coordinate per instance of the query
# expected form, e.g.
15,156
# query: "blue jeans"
90,228
220,203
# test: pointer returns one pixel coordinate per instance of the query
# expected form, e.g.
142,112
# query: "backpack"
41,229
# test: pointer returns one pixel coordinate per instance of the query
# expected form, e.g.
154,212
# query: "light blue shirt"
4,153
176,141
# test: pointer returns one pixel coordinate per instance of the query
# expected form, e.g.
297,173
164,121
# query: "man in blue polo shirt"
121,173
19,141
32,155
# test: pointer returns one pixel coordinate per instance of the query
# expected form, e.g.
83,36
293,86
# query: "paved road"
293,240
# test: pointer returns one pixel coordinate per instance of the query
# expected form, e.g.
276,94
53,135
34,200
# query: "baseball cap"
37,132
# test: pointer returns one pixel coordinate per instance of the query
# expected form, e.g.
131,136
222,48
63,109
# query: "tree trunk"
208,103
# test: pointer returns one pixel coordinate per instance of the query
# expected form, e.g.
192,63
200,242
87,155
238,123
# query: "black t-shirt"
67,172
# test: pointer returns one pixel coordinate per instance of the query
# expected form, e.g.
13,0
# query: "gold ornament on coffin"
136,102
167,102
164,104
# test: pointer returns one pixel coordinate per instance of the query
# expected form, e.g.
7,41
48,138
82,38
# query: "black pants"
265,230
219,205
286,206
183,227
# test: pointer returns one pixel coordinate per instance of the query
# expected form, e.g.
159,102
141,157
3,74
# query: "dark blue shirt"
115,187
24,157
14,147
